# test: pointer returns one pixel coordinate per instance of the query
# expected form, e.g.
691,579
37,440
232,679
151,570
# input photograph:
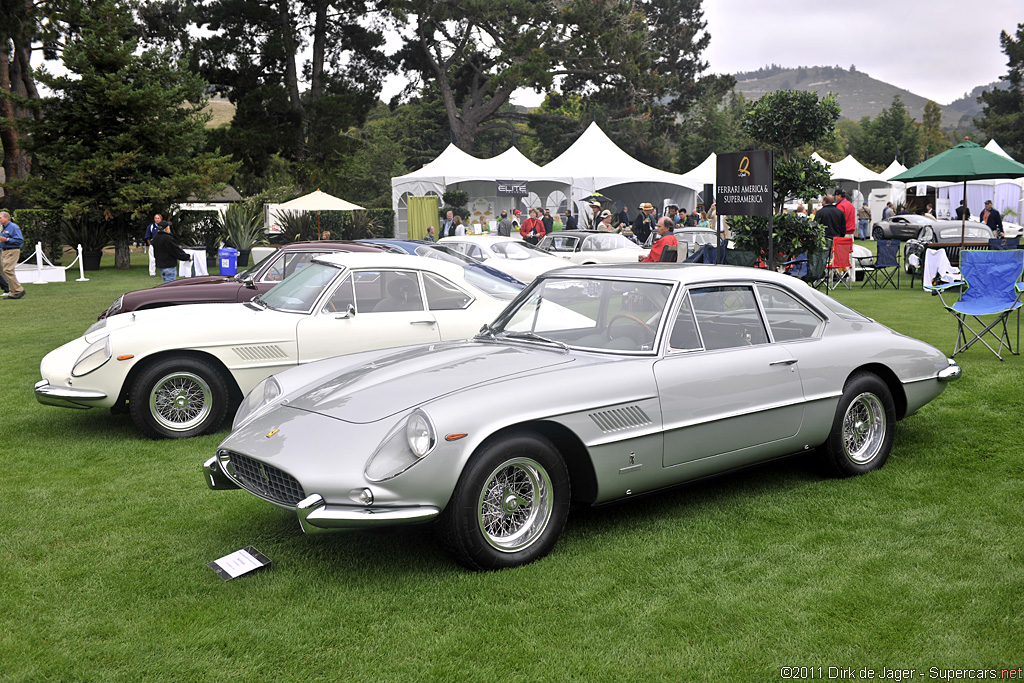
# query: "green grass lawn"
105,536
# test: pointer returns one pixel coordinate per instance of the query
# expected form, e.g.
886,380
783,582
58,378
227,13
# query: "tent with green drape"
422,212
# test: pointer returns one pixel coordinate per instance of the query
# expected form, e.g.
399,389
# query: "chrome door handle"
422,322
791,361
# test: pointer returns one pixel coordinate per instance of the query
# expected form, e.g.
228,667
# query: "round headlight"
263,394
420,433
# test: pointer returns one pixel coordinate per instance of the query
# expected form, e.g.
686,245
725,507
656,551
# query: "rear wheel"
176,398
510,505
864,426
877,233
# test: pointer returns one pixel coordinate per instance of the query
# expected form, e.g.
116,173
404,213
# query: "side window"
788,318
684,329
275,272
476,252
728,317
591,244
442,295
385,291
288,264
343,297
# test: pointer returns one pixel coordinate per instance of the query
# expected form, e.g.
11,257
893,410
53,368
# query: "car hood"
200,280
396,382
190,324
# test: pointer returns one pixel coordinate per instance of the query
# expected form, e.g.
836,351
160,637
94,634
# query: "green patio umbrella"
965,162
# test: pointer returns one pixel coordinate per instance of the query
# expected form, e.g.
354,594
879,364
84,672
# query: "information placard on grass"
239,563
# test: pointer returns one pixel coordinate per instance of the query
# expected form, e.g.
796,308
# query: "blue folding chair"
991,288
1003,243
886,264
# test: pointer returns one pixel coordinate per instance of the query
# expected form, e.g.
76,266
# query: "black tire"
863,429
510,505
877,233
176,398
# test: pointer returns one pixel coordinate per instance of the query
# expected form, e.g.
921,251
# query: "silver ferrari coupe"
597,383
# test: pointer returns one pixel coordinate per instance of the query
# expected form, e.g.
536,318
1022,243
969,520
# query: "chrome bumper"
317,517
215,477
66,397
950,374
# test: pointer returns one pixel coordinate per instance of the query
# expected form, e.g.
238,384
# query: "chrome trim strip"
316,517
66,397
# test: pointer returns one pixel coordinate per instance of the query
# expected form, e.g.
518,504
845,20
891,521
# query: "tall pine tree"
124,132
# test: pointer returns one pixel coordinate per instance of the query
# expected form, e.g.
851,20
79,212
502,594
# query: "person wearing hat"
643,225
991,218
863,221
517,219
606,222
595,215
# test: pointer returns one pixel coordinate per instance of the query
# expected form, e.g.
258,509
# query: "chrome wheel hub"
515,504
864,428
180,401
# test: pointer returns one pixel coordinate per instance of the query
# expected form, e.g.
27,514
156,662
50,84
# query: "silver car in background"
598,383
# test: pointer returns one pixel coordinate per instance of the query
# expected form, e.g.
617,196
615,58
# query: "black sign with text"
744,184
512,188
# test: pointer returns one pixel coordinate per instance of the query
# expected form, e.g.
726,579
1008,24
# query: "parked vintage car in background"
180,371
512,255
588,246
598,383
223,289
899,227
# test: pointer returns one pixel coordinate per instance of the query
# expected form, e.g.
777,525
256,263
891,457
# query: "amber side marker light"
128,357
455,437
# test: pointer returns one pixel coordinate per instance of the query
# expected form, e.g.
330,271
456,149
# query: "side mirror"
248,283
350,313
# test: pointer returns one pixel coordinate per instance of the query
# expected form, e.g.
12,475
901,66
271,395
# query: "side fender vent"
257,353
617,419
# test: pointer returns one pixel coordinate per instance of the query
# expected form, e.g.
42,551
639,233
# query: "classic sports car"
223,289
181,370
587,246
900,228
625,379
522,261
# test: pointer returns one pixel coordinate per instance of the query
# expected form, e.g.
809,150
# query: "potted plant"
92,235
241,227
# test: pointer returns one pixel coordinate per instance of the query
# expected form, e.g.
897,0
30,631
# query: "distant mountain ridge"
859,94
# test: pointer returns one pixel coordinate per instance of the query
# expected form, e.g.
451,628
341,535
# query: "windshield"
698,237
300,290
516,251
588,313
443,254
495,286
250,273
607,242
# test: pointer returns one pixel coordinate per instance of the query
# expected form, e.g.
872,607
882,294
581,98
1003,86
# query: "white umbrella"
319,201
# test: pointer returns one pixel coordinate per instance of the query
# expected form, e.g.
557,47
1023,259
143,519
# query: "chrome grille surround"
264,480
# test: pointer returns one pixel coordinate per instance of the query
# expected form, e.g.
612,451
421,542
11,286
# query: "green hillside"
858,93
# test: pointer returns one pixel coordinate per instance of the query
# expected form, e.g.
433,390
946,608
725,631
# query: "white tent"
1007,193
894,169
596,164
705,173
318,201
993,146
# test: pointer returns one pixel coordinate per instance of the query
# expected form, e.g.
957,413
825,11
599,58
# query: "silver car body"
583,247
629,415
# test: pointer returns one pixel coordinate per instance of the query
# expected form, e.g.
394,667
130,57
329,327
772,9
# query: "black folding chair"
885,266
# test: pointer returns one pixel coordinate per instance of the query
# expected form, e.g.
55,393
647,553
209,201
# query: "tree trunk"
291,78
14,78
122,250
316,81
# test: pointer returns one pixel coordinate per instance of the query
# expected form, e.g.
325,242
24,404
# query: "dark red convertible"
219,289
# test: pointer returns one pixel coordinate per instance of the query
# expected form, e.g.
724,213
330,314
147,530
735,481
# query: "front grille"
265,480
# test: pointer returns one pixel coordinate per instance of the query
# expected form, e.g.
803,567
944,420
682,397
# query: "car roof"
331,245
385,259
685,273
481,238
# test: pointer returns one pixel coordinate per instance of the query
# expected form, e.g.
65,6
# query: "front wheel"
864,426
510,505
877,234
176,398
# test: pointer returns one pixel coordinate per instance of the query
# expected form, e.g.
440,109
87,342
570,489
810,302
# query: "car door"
388,309
725,388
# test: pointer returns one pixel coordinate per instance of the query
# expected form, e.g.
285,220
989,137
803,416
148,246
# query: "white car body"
583,247
510,255
239,345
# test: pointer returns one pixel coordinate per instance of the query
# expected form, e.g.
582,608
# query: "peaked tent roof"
594,156
993,146
452,161
854,171
895,168
318,201
706,172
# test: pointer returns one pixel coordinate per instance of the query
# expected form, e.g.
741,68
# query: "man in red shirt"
665,239
850,213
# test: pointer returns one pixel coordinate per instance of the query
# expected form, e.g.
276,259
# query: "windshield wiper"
257,301
534,336
486,331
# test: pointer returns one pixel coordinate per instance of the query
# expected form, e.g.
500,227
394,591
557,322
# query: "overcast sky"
938,49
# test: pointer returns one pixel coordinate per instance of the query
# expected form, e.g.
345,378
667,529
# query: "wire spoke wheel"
515,504
180,401
864,428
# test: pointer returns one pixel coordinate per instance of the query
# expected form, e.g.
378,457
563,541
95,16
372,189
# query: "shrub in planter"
92,235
